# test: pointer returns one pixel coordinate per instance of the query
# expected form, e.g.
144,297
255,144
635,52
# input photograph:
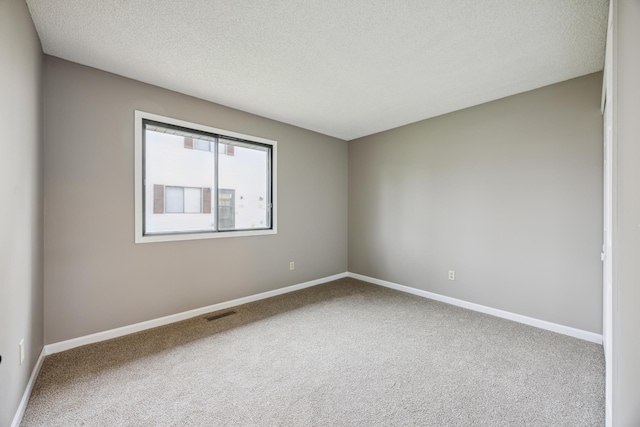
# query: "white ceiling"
342,68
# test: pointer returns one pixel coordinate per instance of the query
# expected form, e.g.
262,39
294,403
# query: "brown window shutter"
206,200
188,143
230,150
158,198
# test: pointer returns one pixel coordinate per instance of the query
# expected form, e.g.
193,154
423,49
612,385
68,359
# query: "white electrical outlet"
452,275
292,266
21,347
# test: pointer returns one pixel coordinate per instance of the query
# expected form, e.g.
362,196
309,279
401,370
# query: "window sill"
155,238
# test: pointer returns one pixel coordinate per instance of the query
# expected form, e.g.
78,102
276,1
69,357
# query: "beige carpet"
344,353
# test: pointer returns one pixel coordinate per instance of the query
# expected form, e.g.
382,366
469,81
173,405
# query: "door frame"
607,256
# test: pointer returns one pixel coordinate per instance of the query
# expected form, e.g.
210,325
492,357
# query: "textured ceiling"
341,68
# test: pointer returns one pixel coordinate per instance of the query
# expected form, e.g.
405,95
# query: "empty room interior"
320,213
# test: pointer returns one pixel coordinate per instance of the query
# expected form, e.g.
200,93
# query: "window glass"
246,173
172,163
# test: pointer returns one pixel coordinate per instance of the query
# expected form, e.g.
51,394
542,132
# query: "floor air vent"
221,315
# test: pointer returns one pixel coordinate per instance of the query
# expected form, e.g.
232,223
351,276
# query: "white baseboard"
137,327
17,419
542,324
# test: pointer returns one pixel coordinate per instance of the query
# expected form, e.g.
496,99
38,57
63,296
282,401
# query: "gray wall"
21,200
626,214
96,278
507,194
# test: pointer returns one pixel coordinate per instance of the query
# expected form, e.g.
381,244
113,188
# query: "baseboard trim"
137,327
542,324
17,419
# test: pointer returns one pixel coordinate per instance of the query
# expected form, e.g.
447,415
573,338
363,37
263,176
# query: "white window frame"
140,116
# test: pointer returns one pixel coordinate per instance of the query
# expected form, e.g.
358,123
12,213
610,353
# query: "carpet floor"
345,353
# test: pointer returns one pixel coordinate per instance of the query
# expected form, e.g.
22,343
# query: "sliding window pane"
177,167
243,174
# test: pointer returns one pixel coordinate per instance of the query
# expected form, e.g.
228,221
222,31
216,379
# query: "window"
182,200
197,182
199,144
226,209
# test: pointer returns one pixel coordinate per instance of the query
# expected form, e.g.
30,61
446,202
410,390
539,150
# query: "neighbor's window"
195,182
180,199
